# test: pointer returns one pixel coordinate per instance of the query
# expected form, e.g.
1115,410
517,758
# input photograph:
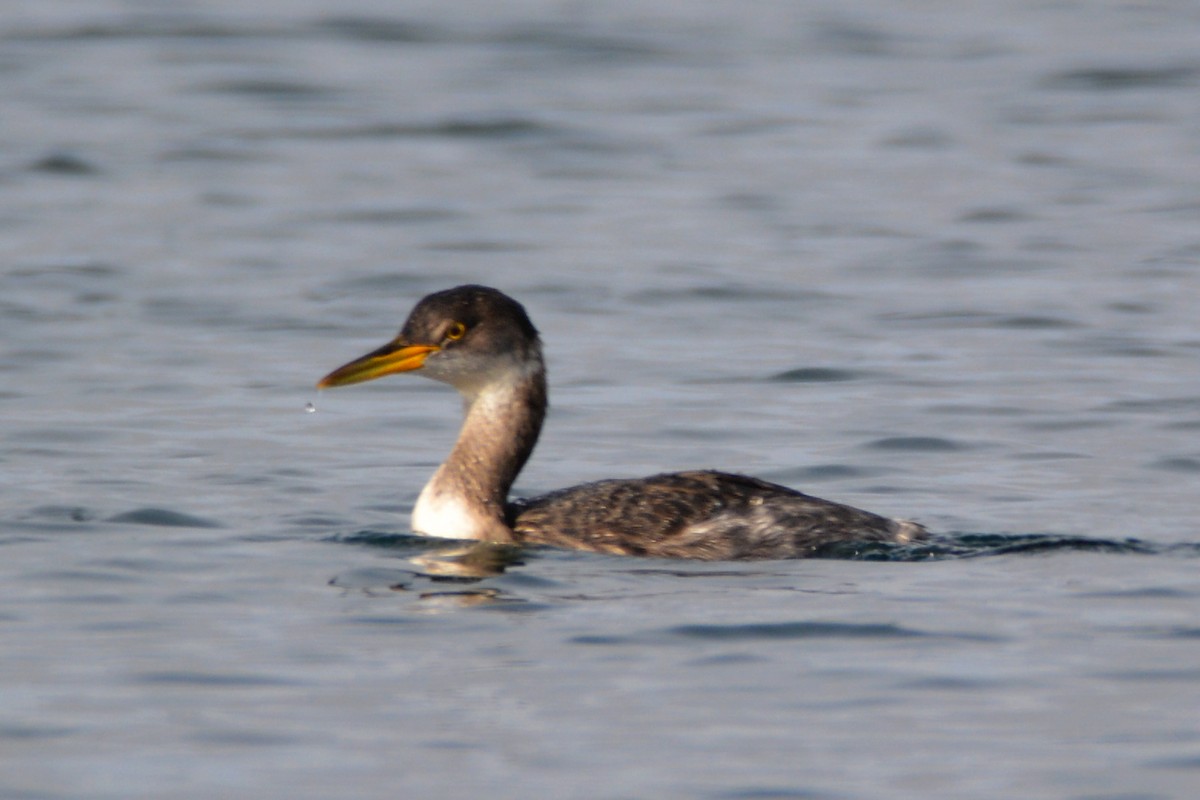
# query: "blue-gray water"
937,260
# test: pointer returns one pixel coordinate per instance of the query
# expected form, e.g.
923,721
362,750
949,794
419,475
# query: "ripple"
768,631
394,216
819,472
726,660
498,127
63,513
1189,676
205,153
386,283
916,444
244,738
1116,345
192,311
1142,593
1035,323
33,731
1050,455
771,793
1190,466
993,215
64,274
794,630
1160,405
992,544
272,89
919,138
971,318
165,518
76,576
66,164
378,29
572,45
977,545
386,620
978,409
1180,633
61,435
1190,762
222,680
144,26
725,293
818,375
372,578
483,246
958,259
384,539
954,683
1108,79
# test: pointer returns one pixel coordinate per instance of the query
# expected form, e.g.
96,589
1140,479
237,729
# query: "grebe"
481,342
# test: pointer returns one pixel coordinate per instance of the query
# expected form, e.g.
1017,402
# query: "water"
939,262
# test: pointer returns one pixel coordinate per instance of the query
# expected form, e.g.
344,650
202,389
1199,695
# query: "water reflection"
426,573
468,562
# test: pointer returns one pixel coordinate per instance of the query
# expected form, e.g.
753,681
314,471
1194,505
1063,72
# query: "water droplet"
310,408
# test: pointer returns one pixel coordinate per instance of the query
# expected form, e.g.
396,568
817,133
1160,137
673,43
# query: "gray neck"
466,496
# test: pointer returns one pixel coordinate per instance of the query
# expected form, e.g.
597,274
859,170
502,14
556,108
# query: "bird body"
481,341
715,516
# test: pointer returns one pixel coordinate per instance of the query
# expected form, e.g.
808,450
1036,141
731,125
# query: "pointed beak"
395,356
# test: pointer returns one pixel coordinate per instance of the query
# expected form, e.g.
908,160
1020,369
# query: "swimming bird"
480,341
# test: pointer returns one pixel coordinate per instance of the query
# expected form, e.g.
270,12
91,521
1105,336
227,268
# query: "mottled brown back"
705,515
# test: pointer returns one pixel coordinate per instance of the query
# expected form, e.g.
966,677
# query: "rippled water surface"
939,261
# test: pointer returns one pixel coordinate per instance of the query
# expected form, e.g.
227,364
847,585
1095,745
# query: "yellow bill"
395,356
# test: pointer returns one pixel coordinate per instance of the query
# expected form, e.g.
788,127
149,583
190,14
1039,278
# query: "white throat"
446,515
466,496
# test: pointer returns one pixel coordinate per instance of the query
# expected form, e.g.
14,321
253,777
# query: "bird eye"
456,331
